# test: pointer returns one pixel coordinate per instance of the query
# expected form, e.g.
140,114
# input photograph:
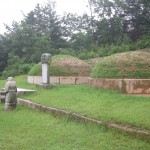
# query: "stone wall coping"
125,85
144,79
90,78
119,126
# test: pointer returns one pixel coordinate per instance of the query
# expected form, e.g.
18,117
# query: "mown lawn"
26,129
101,104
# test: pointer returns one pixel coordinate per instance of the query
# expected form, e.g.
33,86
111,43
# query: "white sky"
12,9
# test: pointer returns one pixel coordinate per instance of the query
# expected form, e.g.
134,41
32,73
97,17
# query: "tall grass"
25,129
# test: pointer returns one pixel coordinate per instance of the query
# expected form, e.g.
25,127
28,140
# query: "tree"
136,15
39,32
3,55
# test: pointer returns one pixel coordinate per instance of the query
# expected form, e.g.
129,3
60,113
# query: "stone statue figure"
11,94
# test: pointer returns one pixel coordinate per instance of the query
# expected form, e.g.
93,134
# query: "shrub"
15,66
35,70
143,42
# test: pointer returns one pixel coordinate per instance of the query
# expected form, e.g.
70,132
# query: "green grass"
102,104
124,65
36,70
57,69
25,129
105,105
62,56
21,82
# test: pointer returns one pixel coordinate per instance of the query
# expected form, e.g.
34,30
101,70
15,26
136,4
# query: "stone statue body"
10,91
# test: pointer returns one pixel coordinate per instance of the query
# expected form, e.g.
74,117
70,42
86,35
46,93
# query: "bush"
143,42
15,67
36,70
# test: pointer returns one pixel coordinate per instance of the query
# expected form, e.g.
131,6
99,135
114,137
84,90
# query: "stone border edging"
59,79
129,86
126,128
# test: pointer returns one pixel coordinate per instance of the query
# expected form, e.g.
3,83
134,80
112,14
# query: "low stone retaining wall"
130,86
122,127
59,80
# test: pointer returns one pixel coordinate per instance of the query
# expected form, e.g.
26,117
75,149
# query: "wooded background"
113,26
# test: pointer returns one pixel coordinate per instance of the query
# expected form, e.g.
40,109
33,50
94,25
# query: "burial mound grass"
63,65
134,64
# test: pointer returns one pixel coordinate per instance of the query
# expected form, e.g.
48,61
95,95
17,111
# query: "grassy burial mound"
64,65
92,62
124,65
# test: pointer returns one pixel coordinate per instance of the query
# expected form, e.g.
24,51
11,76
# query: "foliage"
131,17
15,66
3,56
143,42
112,27
36,70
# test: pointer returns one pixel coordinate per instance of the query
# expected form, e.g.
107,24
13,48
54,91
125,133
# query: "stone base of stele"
45,85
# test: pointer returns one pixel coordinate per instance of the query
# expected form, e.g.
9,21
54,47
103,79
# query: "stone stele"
45,60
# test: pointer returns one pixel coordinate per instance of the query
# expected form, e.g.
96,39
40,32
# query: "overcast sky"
12,9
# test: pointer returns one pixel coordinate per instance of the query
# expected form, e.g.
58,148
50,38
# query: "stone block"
55,80
67,80
37,80
130,86
81,80
30,79
138,86
45,86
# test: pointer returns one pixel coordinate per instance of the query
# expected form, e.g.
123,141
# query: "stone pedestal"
45,60
45,86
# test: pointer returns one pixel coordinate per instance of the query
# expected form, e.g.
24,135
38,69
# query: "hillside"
134,64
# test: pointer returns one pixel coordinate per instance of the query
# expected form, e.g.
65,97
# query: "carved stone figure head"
45,58
10,79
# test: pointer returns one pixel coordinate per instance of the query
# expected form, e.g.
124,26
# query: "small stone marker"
11,94
45,60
